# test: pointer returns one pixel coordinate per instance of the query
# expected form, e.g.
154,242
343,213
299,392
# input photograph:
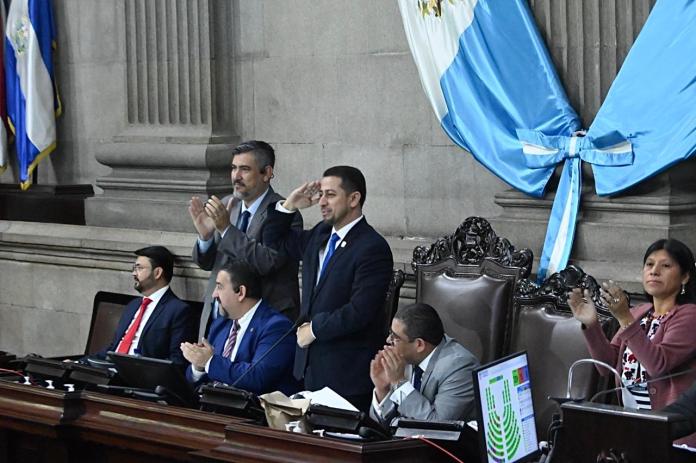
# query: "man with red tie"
156,324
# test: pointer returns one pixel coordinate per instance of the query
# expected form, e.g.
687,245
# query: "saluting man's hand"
304,196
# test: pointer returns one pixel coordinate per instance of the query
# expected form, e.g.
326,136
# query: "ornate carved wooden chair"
391,303
469,278
543,325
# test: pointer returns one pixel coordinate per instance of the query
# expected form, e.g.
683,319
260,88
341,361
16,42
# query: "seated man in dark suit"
422,374
244,332
154,325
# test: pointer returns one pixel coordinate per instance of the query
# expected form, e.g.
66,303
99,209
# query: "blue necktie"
243,222
329,253
417,375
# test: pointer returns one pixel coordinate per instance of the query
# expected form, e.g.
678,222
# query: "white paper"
328,398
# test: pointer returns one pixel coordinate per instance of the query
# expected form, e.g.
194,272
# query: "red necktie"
125,344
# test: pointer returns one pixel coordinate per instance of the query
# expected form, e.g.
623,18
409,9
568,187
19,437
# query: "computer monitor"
148,373
507,430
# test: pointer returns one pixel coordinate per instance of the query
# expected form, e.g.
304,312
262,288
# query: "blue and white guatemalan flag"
487,74
491,83
32,102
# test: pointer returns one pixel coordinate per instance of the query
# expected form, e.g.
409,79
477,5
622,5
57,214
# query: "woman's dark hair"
685,258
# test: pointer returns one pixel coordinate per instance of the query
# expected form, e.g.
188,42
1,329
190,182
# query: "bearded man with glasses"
156,324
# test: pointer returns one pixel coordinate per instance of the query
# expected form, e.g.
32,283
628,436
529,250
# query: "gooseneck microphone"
301,320
626,397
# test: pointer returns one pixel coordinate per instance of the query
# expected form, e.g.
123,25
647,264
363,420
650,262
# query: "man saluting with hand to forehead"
346,268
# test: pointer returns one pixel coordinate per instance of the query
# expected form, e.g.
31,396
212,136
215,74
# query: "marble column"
179,100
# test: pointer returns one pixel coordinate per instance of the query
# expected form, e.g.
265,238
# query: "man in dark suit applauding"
232,228
422,374
346,267
156,324
244,333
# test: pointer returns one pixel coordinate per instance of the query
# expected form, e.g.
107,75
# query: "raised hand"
218,213
379,377
304,196
197,354
204,224
582,306
615,298
394,365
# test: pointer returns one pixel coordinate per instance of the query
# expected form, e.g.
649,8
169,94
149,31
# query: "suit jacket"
346,306
447,390
274,372
280,285
171,323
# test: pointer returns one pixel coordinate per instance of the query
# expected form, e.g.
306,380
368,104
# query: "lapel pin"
343,244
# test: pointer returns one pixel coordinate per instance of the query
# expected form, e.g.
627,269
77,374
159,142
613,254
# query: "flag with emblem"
32,99
487,73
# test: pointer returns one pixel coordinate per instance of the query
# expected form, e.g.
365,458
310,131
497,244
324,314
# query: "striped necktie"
231,340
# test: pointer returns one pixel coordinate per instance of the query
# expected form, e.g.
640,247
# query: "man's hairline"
255,157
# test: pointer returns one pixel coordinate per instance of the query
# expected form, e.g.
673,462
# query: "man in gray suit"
233,229
422,374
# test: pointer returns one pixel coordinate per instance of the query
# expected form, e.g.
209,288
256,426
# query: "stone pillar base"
152,182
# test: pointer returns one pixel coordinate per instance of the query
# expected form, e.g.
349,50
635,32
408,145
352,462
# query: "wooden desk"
245,443
592,429
41,425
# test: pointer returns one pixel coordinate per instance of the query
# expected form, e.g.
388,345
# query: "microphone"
642,383
628,400
301,320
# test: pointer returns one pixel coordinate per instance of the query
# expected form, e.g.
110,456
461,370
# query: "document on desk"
328,397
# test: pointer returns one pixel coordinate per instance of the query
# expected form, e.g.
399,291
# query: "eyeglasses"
394,338
139,268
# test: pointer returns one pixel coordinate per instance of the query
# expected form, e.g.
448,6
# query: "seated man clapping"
422,373
239,338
